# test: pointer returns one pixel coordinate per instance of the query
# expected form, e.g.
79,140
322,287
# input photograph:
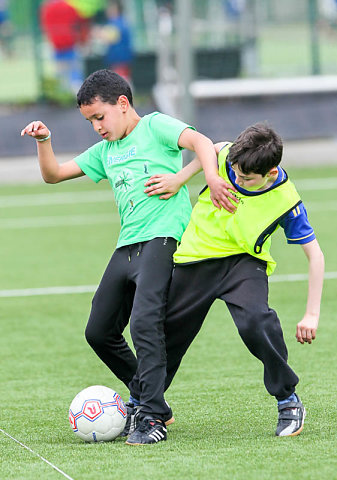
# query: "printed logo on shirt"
113,159
240,199
124,180
146,168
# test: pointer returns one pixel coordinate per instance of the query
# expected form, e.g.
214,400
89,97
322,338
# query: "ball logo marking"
92,409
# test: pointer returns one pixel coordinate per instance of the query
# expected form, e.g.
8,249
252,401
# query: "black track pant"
135,286
241,281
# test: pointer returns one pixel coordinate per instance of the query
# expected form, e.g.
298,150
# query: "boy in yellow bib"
227,256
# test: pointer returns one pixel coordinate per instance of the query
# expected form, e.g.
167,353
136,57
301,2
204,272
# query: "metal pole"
185,59
249,30
314,36
37,46
164,64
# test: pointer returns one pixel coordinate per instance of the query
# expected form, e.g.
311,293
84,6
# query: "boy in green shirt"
135,283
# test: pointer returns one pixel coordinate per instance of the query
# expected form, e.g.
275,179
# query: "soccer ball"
97,414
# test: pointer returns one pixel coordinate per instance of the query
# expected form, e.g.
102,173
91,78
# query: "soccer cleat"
132,419
168,418
290,419
147,432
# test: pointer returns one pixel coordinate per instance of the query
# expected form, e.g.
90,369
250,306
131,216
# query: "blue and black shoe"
290,419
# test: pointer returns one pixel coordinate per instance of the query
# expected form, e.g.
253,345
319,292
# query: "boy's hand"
220,193
36,130
167,184
306,328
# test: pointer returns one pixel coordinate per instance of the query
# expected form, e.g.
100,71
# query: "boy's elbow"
50,179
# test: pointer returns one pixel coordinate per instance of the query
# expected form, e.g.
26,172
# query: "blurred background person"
234,8
116,36
328,11
5,29
66,31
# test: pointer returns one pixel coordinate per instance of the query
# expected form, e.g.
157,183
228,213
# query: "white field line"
306,184
321,206
92,196
37,455
58,221
71,290
316,184
108,218
64,198
32,292
299,277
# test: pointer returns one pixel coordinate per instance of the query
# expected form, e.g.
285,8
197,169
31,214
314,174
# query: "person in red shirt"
66,30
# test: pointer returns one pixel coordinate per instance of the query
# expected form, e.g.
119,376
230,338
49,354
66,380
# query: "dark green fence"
268,39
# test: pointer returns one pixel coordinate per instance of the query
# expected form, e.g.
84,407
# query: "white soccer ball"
97,414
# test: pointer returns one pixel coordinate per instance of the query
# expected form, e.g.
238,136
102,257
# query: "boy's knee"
141,327
251,323
138,330
94,337
258,324
90,336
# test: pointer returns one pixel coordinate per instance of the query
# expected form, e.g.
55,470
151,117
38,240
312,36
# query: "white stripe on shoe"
289,429
157,436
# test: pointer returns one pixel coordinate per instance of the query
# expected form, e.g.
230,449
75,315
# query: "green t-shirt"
150,148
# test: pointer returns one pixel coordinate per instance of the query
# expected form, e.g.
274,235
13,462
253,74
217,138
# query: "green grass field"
63,235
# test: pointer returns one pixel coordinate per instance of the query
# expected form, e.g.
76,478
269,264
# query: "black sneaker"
132,419
290,419
168,418
147,432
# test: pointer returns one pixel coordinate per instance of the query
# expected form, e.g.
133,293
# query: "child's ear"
123,102
273,171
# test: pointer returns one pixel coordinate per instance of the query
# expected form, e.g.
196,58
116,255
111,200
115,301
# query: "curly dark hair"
104,85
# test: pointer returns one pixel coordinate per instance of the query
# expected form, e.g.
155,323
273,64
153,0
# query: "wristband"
43,139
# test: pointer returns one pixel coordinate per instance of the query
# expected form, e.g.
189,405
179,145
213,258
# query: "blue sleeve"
297,228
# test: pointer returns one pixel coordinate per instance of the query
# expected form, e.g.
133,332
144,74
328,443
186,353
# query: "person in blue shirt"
117,35
227,256
6,30
295,224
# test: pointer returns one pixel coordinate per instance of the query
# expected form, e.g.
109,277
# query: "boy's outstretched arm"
306,328
51,170
205,151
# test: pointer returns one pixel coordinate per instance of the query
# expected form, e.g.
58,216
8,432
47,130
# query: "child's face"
109,121
254,181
